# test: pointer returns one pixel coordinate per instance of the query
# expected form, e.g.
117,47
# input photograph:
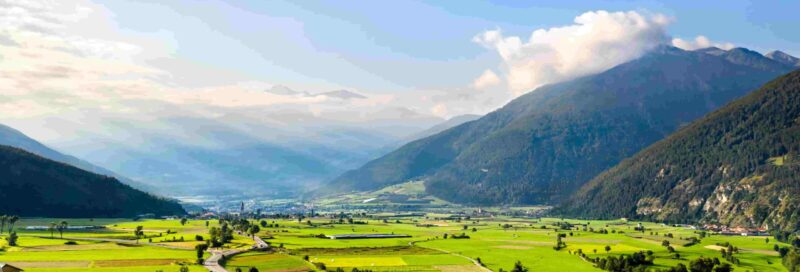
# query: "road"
212,263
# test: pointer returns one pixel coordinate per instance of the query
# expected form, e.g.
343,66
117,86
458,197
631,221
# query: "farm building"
9,268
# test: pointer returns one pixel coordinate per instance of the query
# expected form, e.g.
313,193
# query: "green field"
114,248
498,242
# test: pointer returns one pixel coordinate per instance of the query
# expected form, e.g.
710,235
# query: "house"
9,268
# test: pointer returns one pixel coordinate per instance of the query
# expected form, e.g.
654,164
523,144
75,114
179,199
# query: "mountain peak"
784,58
716,51
343,94
282,90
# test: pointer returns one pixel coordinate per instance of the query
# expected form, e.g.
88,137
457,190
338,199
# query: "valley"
430,136
472,243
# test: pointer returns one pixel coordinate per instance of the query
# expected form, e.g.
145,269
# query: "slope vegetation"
34,186
738,166
544,145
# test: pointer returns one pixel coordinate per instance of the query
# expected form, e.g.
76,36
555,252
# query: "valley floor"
302,246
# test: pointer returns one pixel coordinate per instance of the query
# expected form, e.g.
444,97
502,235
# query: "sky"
83,60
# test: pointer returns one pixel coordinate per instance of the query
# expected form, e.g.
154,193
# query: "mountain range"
339,94
737,166
544,145
31,185
14,138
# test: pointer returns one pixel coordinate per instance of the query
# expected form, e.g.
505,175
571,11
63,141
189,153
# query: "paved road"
212,263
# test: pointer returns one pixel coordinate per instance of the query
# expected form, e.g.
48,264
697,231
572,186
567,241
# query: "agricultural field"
165,246
498,242
304,245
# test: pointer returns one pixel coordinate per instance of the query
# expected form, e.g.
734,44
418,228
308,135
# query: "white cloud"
485,80
597,41
700,42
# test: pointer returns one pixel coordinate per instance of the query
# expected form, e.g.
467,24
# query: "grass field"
498,242
113,248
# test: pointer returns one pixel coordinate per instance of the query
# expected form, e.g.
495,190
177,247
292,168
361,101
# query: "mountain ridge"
590,124
735,166
34,186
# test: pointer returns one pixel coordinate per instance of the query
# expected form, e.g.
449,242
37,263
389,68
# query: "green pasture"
498,242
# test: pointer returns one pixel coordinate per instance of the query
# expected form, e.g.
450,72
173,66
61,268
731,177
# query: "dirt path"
482,268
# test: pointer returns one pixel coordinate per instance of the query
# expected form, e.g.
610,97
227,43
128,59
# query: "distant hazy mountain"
544,145
342,94
267,152
739,166
339,94
783,58
283,90
31,185
450,123
14,138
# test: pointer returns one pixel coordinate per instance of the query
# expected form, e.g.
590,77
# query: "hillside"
449,123
14,138
736,166
543,145
34,186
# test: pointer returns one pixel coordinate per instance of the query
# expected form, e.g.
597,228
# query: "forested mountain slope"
542,146
34,186
738,166
12,137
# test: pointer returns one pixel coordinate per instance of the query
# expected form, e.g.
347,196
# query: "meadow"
301,245
166,246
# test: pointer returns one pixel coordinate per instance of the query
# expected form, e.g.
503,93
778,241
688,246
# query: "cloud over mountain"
596,41
700,42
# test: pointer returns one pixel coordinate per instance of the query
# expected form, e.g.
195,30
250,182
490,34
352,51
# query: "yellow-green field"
112,249
498,242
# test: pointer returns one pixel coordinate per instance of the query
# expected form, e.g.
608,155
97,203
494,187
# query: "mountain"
12,137
342,94
449,123
283,90
737,166
716,51
542,146
784,58
31,185
262,152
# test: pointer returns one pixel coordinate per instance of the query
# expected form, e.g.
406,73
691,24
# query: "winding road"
212,263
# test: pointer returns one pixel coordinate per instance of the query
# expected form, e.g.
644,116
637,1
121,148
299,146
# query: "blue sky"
385,46
92,61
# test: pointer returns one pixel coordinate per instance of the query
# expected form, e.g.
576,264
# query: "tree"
183,221
62,226
3,220
11,221
184,268
701,264
12,238
138,232
792,261
253,269
518,267
725,267
253,230
200,250
52,228
608,249
665,243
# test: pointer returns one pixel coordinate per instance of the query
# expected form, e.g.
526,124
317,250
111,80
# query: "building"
9,268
